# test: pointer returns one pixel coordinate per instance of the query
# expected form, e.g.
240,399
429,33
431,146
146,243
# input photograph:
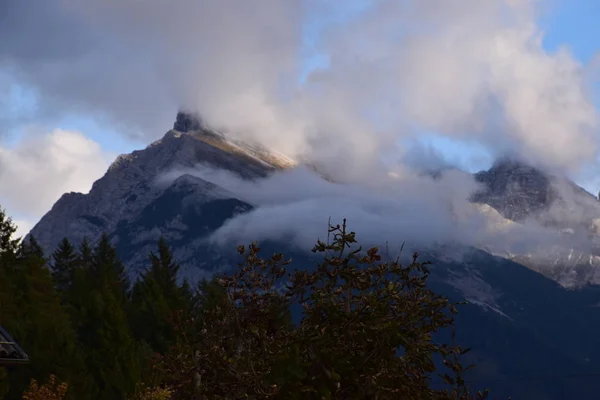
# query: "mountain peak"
188,122
515,189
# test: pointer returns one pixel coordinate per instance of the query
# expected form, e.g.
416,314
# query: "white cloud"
295,205
23,227
463,68
42,166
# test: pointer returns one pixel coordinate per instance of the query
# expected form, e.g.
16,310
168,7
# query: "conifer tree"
107,270
64,264
42,326
31,248
8,242
157,298
78,296
8,291
85,254
112,354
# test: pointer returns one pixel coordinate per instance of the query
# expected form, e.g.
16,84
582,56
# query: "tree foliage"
155,298
64,265
366,331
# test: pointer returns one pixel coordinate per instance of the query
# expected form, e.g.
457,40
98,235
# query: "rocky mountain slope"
135,207
523,325
525,195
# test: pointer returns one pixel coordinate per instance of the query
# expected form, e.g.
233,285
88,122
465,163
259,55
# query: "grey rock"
187,122
522,193
514,189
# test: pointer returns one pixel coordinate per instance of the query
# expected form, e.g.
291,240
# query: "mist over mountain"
513,210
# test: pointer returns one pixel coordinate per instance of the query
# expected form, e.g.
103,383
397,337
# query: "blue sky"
573,23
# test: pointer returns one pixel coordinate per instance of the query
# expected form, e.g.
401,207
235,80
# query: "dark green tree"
210,294
99,304
31,248
9,293
85,254
157,299
64,263
42,326
107,271
8,242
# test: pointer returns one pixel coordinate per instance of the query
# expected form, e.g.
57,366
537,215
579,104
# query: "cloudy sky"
357,81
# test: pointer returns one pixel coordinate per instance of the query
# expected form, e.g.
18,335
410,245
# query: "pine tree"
107,270
164,271
80,290
42,326
9,294
65,262
8,258
112,352
164,267
31,248
100,293
157,298
8,243
85,254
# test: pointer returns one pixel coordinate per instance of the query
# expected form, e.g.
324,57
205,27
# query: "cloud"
135,62
37,170
466,69
405,207
23,227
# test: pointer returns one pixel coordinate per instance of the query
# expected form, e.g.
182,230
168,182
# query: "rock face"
517,191
524,194
186,122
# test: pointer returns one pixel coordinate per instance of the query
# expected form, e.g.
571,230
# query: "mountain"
520,192
523,194
530,337
516,190
135,206
528,332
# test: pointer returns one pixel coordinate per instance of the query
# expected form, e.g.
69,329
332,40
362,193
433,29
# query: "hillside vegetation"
353,326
